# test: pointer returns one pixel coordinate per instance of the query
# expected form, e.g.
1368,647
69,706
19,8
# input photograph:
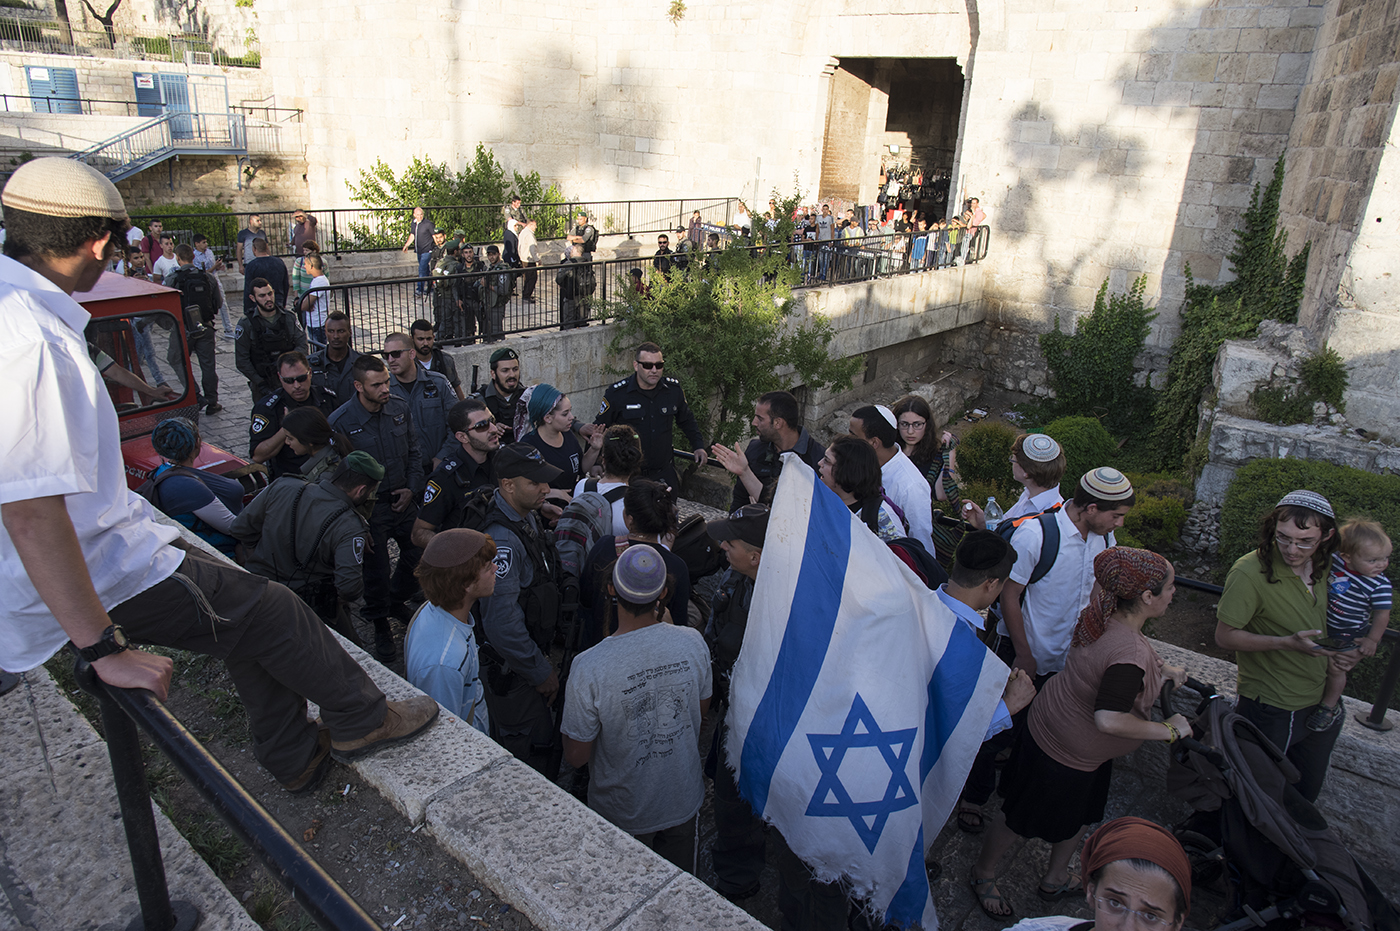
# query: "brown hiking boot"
316,769
402,720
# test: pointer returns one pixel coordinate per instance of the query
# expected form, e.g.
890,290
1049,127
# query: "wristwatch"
113,641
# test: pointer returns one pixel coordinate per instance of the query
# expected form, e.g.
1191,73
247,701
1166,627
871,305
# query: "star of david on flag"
857,704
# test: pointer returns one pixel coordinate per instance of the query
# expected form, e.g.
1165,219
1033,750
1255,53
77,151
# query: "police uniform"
502,407
389,436
334,375
513,655
443,505
303,534
766,461
257,342
442,363
429,398
651,414
267,420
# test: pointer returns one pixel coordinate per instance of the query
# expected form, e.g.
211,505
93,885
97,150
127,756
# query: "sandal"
1063,891
1324,717
995,897
970,819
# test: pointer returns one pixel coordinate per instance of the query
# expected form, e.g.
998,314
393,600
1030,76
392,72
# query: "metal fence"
56,38
325,901
124,155
384,229
507,302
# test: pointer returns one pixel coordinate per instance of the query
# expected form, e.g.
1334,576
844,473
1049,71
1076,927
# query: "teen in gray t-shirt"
639,697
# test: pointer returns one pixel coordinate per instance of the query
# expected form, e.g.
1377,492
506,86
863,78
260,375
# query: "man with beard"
778,422
503,391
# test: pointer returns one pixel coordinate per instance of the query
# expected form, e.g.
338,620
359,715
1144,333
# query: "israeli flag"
857,704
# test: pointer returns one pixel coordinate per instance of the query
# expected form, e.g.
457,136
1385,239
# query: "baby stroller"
1286,867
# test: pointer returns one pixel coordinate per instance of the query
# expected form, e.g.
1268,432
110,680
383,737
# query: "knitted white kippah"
63,187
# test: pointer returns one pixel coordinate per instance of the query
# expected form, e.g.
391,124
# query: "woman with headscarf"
1132,868
1098,708
552,433
202,501
309,434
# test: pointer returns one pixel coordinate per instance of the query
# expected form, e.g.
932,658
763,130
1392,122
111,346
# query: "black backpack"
697,549
541,602
197,299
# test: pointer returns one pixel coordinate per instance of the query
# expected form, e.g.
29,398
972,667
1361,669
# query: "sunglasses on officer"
393,353
650,366
295,379
483,426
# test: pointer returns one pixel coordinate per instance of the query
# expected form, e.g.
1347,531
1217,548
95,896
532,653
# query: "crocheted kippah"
1106,484
1038,447
1311,500
640,574
63,187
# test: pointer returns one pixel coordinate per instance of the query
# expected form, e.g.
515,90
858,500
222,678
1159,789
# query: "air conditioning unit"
199,58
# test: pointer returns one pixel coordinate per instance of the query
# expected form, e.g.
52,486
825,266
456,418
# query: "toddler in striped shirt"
1358,606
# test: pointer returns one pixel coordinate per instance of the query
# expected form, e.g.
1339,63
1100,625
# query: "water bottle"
994,513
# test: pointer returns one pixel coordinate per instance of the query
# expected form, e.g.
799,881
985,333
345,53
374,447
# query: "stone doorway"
899,114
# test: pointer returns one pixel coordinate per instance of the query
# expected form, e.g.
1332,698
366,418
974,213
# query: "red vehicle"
140,326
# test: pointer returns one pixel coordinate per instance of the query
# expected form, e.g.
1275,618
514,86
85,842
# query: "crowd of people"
517,528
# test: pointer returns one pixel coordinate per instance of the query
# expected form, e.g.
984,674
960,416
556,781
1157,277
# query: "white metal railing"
155,140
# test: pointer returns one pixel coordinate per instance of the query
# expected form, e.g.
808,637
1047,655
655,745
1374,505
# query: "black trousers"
1310,751
384,587
277,651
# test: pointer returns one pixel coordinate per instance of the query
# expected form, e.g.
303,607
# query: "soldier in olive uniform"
262,337
518,620
380,424
312,537
503,391
650,403
429,396
267,439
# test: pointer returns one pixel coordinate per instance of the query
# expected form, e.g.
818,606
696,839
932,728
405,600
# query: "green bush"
1092,369
221,229
1325,377
1154,523
1282,405
984,461
1087,445
1257,488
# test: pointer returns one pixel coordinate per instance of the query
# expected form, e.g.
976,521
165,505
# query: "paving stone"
38,724
685,901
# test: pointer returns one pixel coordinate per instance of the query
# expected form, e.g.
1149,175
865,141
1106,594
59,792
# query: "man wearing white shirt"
84,559
166,263
904,484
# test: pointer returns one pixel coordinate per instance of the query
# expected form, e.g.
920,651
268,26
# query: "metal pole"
335,237
158,913
1376,719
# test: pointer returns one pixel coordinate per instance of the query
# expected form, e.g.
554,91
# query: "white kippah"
63,187
1037,447
888,414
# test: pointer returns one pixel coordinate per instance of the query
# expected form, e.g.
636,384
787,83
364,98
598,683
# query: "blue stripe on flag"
810,622
950,689
906,909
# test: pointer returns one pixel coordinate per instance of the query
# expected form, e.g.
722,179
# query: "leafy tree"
1092,369
728,331
469,199
1268,285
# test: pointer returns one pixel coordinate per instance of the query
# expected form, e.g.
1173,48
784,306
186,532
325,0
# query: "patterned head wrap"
175,439
542,400
1122,572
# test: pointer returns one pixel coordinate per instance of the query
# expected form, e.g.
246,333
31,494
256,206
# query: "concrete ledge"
64,861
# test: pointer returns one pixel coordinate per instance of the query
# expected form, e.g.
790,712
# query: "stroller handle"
1205,689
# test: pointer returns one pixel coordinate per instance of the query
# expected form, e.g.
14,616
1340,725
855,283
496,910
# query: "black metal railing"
385,229
53,103
524,300
329,905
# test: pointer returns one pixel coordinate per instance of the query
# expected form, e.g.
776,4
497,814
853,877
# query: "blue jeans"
423,287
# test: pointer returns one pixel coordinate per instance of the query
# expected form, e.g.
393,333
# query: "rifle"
476,378
573,637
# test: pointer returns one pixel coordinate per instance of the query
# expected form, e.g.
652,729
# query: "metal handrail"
325,901
161,136
56,38
54,99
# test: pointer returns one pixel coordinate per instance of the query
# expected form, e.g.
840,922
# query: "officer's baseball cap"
749,524
521,460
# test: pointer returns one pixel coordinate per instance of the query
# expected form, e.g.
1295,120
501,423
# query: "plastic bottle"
994,513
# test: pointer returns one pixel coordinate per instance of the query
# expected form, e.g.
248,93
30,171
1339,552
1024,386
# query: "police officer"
739,841
380,424
649,403
262,337
331,366
429,396
518,620
435,360
267,439
312,537
503,391
445,496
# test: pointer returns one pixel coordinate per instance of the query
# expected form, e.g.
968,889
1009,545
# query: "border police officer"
380,424
429,396
503,390
518,620
261,337
267,440
471,467
650,403
332,365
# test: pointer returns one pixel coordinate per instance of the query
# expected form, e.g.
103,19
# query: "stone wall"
275,184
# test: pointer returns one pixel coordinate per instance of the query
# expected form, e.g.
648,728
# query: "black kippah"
981,550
